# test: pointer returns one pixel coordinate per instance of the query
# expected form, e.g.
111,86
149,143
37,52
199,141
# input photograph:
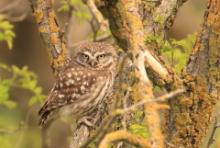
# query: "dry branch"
152,100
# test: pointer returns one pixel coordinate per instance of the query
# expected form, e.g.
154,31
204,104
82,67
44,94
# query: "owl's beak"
93,63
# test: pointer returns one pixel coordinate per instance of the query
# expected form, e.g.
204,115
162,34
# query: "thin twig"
211,138
98,22
158,99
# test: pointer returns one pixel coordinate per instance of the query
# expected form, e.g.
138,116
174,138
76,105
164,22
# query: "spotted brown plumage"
82,84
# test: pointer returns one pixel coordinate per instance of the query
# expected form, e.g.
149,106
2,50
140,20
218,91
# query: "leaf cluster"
16,77
6,31
175,51
79,10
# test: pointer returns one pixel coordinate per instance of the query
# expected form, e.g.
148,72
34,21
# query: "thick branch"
194,114
50,32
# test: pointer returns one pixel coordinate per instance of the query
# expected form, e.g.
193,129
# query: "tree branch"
50,32
189,123
123,135
166,11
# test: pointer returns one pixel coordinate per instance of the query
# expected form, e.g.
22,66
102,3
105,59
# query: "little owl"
83,83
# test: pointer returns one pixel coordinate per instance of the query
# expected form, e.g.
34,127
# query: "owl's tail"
43,117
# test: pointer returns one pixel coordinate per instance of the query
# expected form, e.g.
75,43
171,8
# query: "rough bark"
192,115
50,32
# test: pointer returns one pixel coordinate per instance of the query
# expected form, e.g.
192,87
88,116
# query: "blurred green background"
26,77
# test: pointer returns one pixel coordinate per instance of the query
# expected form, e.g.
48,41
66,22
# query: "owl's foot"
87,120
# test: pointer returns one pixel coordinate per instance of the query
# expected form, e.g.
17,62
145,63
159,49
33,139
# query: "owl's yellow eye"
85,56
100,56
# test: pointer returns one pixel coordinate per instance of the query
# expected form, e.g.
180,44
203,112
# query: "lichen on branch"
50,32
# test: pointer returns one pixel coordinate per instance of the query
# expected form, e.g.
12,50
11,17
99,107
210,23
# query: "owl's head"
96,55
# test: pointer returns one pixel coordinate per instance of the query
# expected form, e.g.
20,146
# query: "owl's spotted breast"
77,91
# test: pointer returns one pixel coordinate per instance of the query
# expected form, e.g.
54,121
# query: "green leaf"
20,78
6,33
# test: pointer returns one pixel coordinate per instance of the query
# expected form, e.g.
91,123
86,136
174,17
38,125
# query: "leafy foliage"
19,78
11,124
79,9
175,51
6,33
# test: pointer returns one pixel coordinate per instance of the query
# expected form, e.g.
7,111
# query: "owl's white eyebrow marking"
87,53
99,53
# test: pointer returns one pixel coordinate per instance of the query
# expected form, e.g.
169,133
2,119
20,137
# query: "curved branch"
123,135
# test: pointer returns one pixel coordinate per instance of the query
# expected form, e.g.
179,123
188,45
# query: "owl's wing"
72,84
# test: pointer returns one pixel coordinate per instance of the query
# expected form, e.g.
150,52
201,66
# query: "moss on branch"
50,32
